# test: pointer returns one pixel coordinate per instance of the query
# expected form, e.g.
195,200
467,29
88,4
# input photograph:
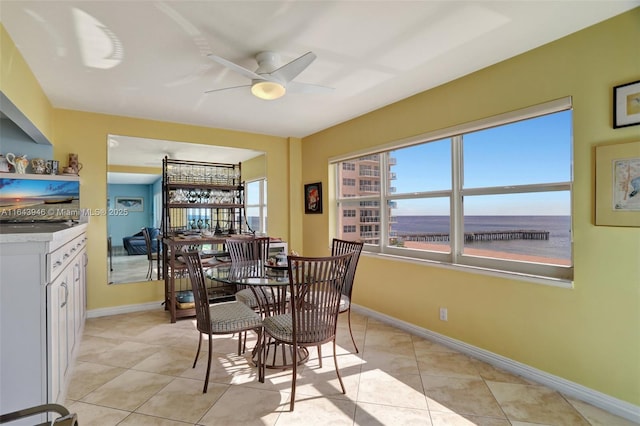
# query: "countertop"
54,233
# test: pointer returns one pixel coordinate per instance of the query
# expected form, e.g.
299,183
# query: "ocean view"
557,246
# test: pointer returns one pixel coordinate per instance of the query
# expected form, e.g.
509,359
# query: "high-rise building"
360,177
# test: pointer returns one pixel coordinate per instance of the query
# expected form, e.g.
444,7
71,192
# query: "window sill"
534,279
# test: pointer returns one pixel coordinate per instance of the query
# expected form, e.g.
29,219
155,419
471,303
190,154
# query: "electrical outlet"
443,314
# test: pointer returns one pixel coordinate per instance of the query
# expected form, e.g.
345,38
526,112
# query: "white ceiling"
148,59
131,151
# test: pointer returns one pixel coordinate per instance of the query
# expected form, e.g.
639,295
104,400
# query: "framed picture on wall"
618,184
132,204
313,197
626,105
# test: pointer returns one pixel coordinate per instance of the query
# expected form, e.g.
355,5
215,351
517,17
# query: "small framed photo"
132,204
313,198
626,105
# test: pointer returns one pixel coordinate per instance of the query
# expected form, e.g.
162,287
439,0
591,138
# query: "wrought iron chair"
242,249
152,256
340,247
315,286
218,318
65,417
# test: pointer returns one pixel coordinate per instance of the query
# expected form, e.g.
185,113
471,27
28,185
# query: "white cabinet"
58,323
42,314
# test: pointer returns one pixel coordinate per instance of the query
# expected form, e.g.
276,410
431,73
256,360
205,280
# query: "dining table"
270,286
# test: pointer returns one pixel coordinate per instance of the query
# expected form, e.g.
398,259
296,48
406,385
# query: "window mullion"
457,212
385,211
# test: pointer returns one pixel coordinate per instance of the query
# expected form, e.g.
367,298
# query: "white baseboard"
124,309
608,403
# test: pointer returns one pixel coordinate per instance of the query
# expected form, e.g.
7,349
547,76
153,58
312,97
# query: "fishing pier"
521,234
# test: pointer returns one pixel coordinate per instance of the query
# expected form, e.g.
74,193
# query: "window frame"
556,275
261,206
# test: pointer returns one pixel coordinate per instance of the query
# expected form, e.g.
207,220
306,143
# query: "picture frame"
313,198
132,204
617,195
626,105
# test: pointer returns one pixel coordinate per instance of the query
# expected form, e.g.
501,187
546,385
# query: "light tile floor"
129,269
136,369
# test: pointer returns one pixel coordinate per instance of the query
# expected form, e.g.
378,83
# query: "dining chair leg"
244,343
320,355
198,352
351,332
262,357
294,357
206,377
335,361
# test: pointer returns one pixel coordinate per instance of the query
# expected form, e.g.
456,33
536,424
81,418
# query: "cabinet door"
57,333
81,302
74,305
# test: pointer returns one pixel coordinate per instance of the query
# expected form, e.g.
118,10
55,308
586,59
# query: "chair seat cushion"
345,303
281,327
232,317
248,297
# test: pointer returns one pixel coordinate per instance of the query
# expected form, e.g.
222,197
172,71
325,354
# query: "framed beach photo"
132,204
313,198
618,184
626,105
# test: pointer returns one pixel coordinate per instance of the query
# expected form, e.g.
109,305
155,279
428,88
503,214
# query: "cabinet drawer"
58,260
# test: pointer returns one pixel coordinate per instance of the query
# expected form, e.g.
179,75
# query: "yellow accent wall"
86,134
295,203
589,334
19,84
134,169
253,169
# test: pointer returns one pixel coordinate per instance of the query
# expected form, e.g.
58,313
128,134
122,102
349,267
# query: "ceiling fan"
272,80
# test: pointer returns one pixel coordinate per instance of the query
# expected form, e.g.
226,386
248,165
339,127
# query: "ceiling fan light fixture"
268,90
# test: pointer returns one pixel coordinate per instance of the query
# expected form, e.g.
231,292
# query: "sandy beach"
489,253
41,211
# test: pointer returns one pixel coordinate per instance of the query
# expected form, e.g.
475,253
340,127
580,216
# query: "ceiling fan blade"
291,70
227,88
234,67
295,87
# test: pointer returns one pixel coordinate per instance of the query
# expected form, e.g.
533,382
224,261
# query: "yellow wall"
590,334
19,84
256,168
86,134
135,169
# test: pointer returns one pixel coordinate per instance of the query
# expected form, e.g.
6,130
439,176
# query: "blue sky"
527,152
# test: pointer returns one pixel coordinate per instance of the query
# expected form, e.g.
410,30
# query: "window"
493,194
348,182
349,229
349,213
369,170
256,204
348,166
